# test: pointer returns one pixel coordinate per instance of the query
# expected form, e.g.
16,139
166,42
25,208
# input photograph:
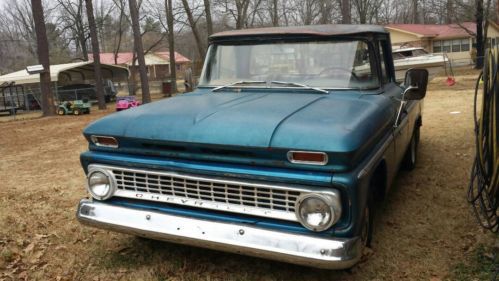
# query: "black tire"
411,155
61,111
76,112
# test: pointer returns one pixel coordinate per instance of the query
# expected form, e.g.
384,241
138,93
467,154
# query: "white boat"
417,57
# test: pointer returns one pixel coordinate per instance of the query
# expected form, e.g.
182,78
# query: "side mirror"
416,81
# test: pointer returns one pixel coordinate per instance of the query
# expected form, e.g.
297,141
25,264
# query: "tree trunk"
139,49
194,28
325,14
480,48
43,58
120,32
242,12
449,11
346,16
99,88
415,16
171,43
209,22
275,15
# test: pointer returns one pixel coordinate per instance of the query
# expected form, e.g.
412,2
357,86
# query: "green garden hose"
483,191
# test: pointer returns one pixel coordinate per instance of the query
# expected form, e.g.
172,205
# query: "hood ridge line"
237,102
287,117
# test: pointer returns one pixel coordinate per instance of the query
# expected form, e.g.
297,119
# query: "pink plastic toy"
127,102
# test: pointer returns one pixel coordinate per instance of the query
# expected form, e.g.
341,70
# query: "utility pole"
139,49
42,47
99,88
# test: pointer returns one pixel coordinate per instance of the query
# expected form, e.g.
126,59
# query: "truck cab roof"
310,30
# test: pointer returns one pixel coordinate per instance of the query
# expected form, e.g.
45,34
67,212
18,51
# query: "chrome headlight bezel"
111,179
331,199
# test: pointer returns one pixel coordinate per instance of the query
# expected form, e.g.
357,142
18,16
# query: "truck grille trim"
203,189
259,199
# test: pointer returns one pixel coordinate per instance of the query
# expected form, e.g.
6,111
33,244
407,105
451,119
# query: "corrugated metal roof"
315,30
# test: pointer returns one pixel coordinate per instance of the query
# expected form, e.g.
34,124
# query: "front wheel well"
378,182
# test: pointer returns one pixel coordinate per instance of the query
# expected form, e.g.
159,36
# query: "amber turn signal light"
307,157
104,141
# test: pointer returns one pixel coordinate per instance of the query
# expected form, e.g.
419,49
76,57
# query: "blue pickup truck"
281,152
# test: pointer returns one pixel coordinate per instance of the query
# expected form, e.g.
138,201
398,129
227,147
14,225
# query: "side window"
384,67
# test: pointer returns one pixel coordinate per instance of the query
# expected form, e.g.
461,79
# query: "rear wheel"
76,112
411,155
60,111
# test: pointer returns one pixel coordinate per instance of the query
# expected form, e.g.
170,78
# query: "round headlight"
100,185
317,211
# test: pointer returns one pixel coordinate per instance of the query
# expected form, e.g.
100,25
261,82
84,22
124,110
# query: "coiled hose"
483,190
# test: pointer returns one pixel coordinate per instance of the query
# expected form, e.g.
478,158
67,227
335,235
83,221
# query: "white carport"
81,73
67,73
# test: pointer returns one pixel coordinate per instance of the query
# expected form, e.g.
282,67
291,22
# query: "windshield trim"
371,47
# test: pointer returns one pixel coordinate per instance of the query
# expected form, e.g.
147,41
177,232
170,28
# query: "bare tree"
274,15
21,23
171,44
209,22
450,9
139,50
326,8
194,28
367,10
346,14
415,16
99,88
72,18
237,9
119,33
43,57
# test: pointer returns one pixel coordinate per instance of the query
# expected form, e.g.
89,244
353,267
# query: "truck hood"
338,122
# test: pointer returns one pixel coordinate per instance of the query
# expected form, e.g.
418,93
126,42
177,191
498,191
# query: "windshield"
322,64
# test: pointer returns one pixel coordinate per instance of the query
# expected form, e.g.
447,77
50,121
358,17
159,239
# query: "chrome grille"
230,193
275,201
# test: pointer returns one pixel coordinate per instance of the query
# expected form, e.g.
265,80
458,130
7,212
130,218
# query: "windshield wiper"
246,82
242,82
299,85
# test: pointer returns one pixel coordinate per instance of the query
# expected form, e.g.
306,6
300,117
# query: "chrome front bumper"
236,238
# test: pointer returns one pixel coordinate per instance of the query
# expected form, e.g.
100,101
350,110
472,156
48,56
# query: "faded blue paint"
343,124
305,177
246,133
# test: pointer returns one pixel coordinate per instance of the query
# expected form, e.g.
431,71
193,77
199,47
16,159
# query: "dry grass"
425,230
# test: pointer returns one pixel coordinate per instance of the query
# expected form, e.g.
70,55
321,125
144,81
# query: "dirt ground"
424,230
